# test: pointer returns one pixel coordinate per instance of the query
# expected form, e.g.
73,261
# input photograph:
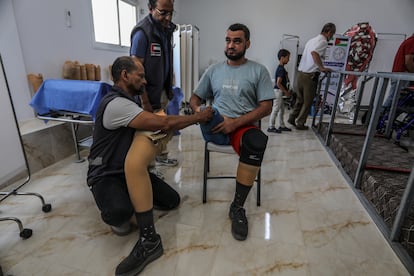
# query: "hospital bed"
70,101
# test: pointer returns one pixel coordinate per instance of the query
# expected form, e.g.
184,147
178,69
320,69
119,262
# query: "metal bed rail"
381,81
360,90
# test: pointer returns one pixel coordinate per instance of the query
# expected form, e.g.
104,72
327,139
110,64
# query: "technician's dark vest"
110,147
154,65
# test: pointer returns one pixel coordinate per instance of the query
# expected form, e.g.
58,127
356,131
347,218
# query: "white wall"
36,31
47,42
11,52
34,38
268,20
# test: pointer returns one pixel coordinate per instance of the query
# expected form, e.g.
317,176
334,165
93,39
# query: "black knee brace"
253,146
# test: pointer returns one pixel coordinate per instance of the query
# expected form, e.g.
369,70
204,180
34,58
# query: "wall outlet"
68,18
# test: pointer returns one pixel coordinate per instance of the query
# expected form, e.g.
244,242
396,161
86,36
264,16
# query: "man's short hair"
152,4
240,27
122,63
282,53
329,27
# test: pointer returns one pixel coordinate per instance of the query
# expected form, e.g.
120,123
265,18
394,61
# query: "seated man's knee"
253,146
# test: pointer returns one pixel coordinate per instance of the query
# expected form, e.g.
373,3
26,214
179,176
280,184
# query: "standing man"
403,62
151,43
309,70
242,94
125,140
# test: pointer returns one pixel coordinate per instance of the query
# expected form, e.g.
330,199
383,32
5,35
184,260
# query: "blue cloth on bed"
78,96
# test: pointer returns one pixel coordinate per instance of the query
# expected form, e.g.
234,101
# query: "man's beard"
235,57
138,91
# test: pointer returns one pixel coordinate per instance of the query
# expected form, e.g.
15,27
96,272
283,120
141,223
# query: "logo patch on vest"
155,50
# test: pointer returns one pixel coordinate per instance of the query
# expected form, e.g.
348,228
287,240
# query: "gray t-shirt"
236,90
120,112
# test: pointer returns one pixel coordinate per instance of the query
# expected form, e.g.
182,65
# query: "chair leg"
46,207
25,233
206,177
206,169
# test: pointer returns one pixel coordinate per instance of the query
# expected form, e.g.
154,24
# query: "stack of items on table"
75,71
72,71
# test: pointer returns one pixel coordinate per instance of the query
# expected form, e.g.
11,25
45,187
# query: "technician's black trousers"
112,198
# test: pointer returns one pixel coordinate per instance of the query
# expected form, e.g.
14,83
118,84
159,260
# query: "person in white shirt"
309,69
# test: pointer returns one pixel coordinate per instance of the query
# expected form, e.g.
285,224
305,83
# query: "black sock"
145,221
241,194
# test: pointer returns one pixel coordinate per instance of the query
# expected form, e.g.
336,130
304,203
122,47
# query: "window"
113,21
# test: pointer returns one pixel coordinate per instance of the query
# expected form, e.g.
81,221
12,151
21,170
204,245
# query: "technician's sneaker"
143,253
273,130
239,225
123,230
169,162
284,129
302,127
292,121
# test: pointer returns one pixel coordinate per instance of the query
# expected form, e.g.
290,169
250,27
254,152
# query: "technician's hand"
226,127
205,115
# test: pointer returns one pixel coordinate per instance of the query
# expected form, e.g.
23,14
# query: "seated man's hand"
205,115
226,127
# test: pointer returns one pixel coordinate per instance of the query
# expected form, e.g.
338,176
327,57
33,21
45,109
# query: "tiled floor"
310,221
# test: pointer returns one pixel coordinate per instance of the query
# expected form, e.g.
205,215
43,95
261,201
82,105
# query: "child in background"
281,90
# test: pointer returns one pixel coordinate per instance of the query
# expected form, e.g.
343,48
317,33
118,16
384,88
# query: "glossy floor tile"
310,222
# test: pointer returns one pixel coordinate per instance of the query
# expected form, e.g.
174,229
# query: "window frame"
109,46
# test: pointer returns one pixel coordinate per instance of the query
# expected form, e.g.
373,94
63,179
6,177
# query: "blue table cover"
78,96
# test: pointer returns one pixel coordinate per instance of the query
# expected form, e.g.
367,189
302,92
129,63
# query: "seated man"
125,141
242,93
